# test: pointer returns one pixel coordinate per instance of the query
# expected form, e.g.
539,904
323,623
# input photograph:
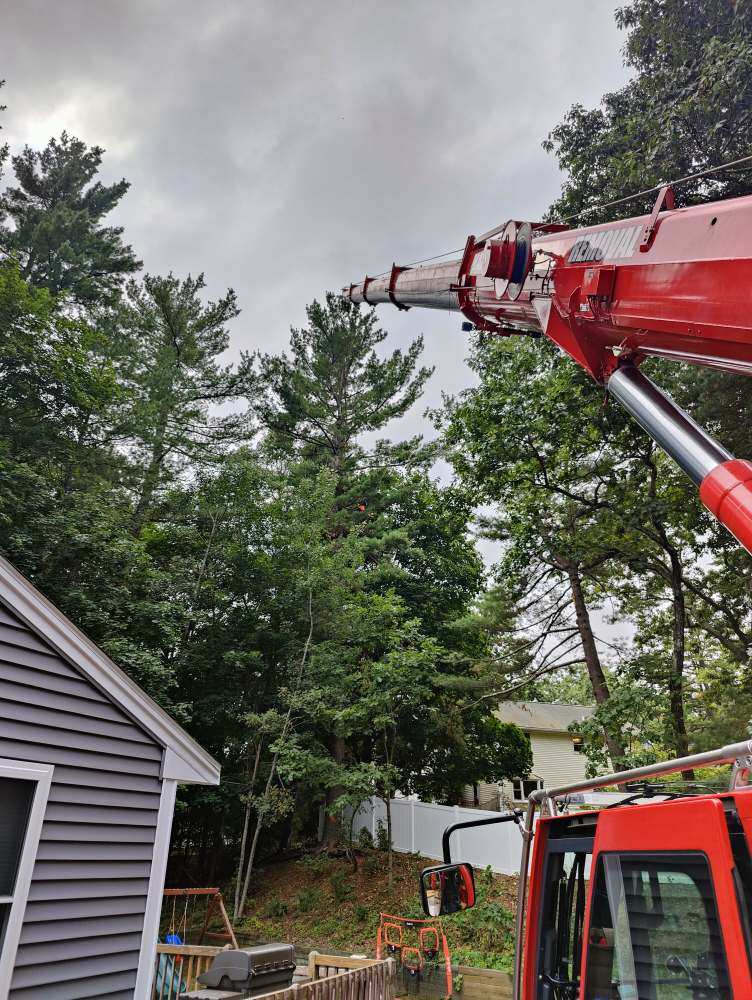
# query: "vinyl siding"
488,795
554,760
82,928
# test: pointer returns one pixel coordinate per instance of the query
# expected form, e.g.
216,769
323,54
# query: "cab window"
563,918
654,931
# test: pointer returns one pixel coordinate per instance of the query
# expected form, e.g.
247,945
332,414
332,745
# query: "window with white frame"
522,788
24,789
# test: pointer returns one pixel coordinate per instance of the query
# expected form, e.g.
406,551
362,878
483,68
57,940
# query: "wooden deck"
334,977
325,977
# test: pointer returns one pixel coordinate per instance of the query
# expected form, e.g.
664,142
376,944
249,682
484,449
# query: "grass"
323,903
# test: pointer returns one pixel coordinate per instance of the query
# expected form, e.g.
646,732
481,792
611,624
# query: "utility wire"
657,187
594,208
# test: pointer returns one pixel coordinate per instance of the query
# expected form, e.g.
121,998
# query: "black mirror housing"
446,889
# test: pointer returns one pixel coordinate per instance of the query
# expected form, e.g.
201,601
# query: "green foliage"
595,519
686,108
365,839
276,909
165,343
382,837
55,215
310,900
315,865
373,864
486,924
342,889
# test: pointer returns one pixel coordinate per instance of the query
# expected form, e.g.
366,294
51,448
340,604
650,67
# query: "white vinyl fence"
417,828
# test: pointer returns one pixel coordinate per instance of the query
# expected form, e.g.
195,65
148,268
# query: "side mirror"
447,889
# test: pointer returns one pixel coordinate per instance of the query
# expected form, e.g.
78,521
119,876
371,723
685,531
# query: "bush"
315,864
489,922
365,840
276,909
382,837
342,890
372,864
309,899
361,912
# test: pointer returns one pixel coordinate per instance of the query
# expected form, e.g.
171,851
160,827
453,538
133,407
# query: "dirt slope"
324,903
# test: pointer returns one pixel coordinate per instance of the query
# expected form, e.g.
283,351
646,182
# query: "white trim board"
148,955
189,763
41,774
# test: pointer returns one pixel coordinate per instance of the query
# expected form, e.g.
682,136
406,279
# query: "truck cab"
648,898
642,901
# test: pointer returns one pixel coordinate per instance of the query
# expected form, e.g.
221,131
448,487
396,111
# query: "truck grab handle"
515,816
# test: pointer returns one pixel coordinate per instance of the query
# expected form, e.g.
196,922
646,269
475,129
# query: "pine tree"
52,222
3,146
166,343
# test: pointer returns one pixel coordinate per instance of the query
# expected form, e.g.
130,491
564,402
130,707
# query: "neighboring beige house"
557,754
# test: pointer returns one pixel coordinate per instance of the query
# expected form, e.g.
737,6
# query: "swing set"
180,925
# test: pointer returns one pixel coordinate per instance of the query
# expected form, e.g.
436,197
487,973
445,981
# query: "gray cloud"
288,147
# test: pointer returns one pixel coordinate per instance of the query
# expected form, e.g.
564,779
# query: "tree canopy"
243,538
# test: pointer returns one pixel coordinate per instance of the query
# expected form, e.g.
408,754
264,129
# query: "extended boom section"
673,284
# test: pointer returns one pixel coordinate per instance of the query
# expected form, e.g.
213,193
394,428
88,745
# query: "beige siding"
488,795
554,761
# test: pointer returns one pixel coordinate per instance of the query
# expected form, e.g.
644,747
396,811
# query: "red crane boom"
673,284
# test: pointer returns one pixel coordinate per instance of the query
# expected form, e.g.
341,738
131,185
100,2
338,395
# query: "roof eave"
187,762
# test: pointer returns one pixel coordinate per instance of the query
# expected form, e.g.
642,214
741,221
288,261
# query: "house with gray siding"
89,767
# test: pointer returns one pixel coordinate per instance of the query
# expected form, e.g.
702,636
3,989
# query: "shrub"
365,840
315,864
342,890
382,837
309,899
361,912
372,865
276,909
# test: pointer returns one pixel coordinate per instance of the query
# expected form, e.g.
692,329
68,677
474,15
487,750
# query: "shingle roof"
541,717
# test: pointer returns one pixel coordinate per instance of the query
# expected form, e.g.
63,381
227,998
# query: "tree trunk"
676,677
679,628
332,822
593,663
241,861
390,856
246,825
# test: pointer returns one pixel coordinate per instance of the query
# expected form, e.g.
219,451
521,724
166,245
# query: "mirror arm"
515,816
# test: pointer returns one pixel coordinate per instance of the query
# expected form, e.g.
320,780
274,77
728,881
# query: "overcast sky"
285,147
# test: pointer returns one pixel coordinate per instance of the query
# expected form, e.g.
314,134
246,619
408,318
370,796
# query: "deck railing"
179,966
322,966
333,977
374,981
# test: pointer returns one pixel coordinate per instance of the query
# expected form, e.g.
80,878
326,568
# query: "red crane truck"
649,898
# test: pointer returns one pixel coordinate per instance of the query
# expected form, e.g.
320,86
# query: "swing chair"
420,951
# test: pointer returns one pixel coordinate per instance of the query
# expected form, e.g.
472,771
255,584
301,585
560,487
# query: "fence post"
412,826
458,834
373,818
